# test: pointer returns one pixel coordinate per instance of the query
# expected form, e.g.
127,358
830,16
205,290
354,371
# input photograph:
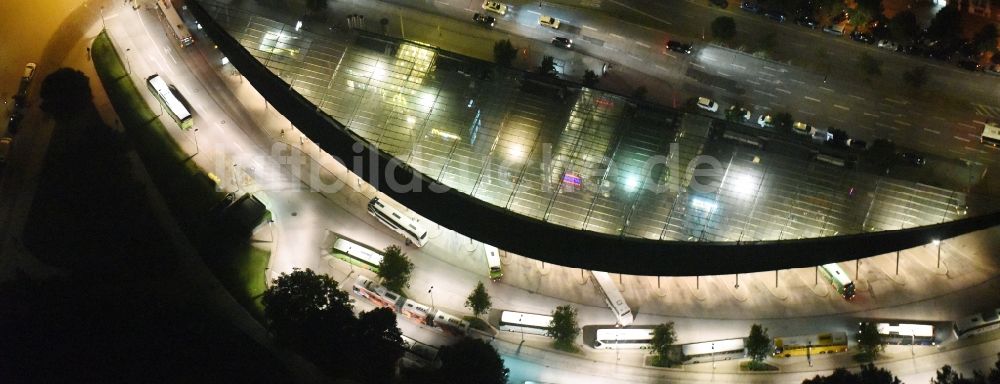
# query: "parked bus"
521,322
613,298
376,294
173,20
396,221
991,134
810,344
357,254
839,279
978,323
907,333
170,100
717,350
415,311
448,323
493,261
623,338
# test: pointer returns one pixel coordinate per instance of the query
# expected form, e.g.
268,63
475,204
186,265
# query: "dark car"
678,46
970,65
562,42
912,158
778,16
486,20
866,38
750,6
807,21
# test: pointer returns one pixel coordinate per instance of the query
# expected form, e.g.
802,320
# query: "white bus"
448,323
521,322
613,298
170,101
907,333
376,294
819,344
623,338
717,350
174,22
991,134
415,311
839,279
359,253
396,221
978,323
493,261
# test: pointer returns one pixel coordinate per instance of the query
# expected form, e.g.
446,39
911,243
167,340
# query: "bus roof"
492,255
614,296
173,104
358,251
522,318
837,273
991,130
832,338
624,334
702,348
905,329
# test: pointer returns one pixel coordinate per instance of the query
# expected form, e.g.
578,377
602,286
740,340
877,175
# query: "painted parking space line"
669,55
587,27
764,93
807,113
900,122
870,114
811,99
837,120
932,131
901,102
738,66
797,81
883,125
641,44
785,91
841,107
614,35
979,122
770,69
535,12
660,67
723,74
826,89
857,97
959,138
698,65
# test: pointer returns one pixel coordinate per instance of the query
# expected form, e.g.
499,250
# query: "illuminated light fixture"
298,25
705,205
631,183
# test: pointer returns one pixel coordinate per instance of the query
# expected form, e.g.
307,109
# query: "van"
549,21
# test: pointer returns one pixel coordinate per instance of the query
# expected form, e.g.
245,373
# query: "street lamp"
713,355
430,291
937,242
128,64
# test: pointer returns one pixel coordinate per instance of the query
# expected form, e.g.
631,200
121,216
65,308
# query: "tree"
986,39
471,361
759,346
869,340
768,43
395,269
590,78
946,24
870,65
839,137
915,77
65,93
479,300
865,12
548,66
300,303
868,375
723,28
947,375
504,52
663,337
904,27
783,120
380,345
563,328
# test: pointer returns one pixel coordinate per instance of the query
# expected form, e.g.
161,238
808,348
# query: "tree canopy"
946,24
564,328
759,346
395,269
663,337
479,300
504,52
904,27
548,66
986,39
723,28
65,93
300,302
471,361
869,340
869,375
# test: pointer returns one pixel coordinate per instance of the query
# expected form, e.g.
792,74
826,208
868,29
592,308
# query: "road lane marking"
870,114
723,74
669,55
886,126
837,120
783,91
614,35
738,66
710,58
764,93
535,13
959,138
902,102
770,69
826,89
841,107
900,122
967,125
753,82
698,65
979,122
857,97
808,113
641,44
932,131
797,81
777,105
660,67
590,28
812,99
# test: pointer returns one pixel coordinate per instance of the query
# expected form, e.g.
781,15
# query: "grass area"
187,189
750,366
477,323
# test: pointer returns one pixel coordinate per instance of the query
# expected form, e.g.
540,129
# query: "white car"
765,121
707,104
821,135
549,21
890,45
495,6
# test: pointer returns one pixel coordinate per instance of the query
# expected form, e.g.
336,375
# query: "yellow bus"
822,343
